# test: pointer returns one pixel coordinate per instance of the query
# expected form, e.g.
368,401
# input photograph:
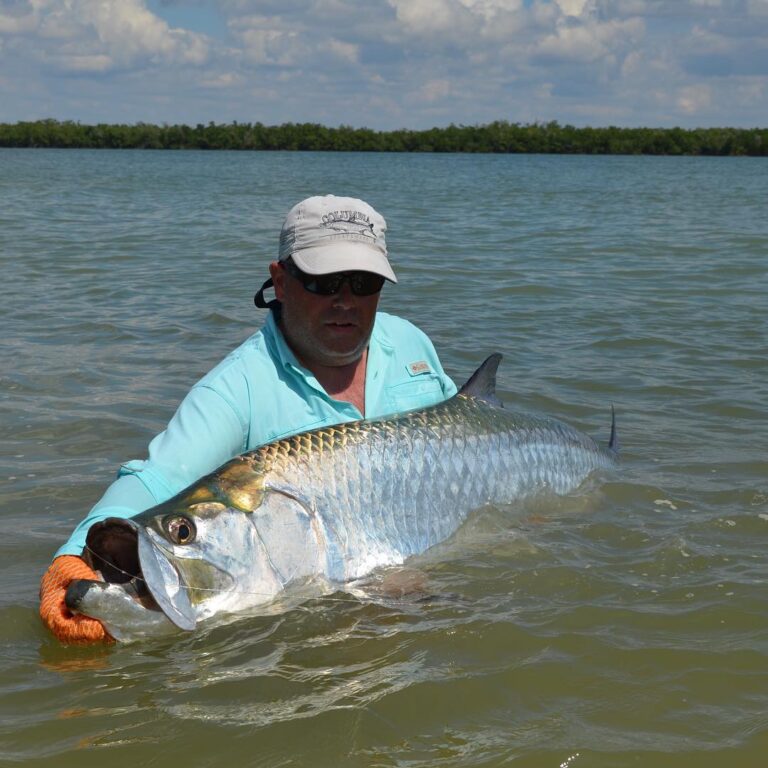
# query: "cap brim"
343,257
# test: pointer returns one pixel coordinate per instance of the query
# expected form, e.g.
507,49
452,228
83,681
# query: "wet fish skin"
337,502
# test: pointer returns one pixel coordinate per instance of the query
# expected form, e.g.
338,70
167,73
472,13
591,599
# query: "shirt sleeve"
431,356
447,383
425,347
206,431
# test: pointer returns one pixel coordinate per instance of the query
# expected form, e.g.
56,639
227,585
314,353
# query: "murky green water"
626,626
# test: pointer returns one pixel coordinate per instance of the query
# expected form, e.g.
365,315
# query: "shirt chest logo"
419,367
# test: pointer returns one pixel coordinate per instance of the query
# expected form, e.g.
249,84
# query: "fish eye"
181,530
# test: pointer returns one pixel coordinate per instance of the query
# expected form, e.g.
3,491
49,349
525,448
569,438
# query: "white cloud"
347,51
575,7
222,80
694,98
591,41
449,18
18,23
90,63
435,90
751,91
276,41
265,42
462,23
490,10
130,31
705,40
633,64
96,35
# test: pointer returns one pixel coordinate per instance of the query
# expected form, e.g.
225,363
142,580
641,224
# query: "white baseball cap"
325,234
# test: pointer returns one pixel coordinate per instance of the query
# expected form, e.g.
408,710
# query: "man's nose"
345,297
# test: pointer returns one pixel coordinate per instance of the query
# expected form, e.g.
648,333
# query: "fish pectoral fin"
396,584
399,582
290,532
291,493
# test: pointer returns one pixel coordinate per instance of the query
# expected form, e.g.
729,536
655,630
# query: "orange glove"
67,626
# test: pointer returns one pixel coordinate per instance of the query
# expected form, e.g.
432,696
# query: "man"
324,356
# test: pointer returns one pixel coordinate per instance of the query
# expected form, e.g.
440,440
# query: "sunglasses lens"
360,283
365,283
325,285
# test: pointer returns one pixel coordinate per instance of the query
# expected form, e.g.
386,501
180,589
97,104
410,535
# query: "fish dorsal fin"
482,383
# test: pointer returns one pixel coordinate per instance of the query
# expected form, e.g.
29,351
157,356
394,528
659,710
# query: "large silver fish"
331,504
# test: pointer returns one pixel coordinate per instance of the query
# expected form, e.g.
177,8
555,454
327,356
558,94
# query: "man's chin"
341,349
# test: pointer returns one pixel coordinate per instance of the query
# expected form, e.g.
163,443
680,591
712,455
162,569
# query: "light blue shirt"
260,393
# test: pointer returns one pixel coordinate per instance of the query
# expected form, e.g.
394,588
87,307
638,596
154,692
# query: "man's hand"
67,626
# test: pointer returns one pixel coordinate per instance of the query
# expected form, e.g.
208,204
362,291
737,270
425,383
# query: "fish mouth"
111,548
124,554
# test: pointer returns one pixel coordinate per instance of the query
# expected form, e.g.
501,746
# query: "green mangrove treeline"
500,136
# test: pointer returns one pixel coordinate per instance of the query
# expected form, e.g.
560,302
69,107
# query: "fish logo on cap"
350,223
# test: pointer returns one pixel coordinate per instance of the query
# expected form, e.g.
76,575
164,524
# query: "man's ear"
277,273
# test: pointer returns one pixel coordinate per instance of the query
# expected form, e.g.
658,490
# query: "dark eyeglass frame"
360,283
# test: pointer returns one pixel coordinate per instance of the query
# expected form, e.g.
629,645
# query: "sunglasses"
360,283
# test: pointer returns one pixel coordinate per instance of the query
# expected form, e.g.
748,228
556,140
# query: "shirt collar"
279,346
380,336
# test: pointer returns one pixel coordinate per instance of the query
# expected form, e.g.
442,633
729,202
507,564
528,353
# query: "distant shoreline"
499,137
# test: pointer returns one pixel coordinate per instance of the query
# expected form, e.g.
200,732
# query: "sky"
386,64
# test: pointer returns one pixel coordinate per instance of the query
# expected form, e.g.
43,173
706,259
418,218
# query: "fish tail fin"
613,440
482,383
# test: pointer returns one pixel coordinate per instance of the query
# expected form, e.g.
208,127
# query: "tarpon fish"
331,504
